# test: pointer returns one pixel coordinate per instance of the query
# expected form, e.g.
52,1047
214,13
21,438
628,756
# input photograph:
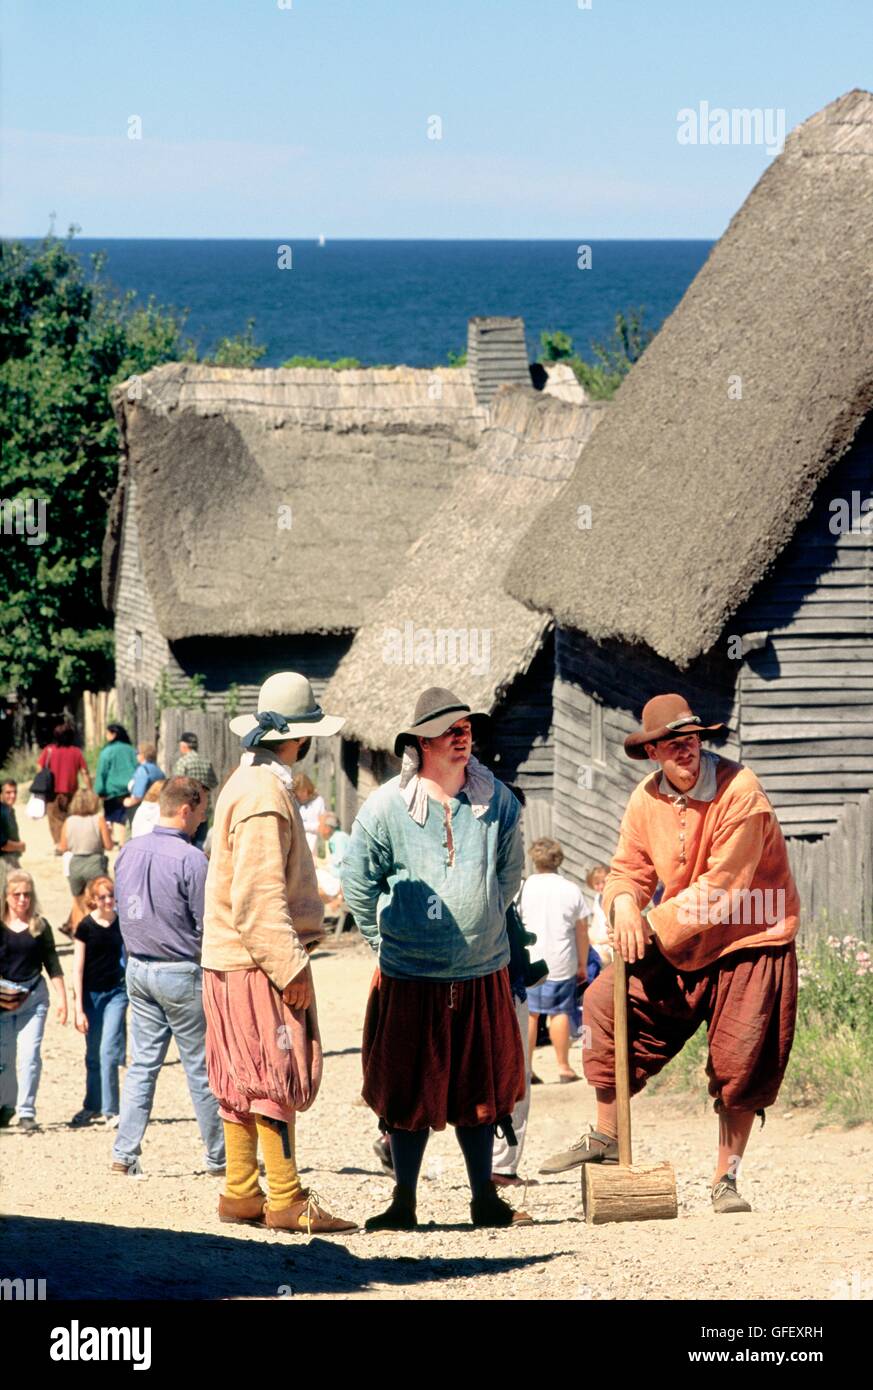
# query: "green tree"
612,359
239,350
66,339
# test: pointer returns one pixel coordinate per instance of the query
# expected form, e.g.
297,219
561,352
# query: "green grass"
831,1064
20,765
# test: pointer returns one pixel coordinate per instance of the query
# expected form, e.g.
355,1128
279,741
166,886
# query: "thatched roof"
450,580
280,501
693,494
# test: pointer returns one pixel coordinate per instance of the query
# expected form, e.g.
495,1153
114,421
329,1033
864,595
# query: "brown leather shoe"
307,1215
488,1209
244,1211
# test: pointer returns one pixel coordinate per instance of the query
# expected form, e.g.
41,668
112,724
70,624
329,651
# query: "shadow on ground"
84,1260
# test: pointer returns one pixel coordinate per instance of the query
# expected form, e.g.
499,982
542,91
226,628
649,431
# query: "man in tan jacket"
263,916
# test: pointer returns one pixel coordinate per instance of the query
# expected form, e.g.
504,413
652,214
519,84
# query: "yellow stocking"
283,1181
241,1146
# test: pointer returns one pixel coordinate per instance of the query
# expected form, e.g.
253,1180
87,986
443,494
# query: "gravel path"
88,1234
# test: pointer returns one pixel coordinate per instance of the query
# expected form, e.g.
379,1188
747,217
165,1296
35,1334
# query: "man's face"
7,794
455,745
183,748
679,758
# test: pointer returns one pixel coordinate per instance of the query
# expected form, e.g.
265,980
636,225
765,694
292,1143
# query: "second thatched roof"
448,590
751,391
280,501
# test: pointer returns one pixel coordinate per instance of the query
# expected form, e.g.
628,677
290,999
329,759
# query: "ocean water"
399,301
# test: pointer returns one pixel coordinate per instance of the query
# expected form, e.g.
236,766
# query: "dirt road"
89,1234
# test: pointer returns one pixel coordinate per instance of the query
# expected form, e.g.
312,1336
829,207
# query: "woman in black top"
27,948
101,1002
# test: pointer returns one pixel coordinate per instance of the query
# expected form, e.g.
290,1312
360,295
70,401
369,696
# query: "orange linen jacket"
262,905
733,890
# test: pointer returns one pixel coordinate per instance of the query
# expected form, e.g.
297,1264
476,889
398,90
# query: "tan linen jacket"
262,904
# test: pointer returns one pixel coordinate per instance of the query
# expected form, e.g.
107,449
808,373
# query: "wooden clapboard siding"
522,749
590,795
806,696
496,355
834,876
141,650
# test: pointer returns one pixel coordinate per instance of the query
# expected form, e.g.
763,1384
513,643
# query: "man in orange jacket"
718,947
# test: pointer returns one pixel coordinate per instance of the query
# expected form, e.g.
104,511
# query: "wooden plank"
801,714
788,646
822,798
814,780
826,750
810,810
808,762
813,679
822,697
805,626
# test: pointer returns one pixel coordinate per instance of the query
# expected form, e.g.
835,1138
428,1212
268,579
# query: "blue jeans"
105,1011
166,1000
21,1033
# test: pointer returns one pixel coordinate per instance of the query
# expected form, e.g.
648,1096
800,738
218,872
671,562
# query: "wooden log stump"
633,1192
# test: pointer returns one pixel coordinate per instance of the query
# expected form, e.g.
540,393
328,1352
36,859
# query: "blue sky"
261,121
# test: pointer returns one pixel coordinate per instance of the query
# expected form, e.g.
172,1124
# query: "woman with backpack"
57,781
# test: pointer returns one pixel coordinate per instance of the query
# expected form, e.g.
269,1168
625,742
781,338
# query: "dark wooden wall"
522,749
806,696
247,662
608,684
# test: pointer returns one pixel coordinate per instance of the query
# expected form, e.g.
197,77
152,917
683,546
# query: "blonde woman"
87,835
27,948
147,813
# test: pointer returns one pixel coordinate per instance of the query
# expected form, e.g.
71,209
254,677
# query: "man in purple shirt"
159,886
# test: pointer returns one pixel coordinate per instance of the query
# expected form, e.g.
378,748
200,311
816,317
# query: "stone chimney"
496,355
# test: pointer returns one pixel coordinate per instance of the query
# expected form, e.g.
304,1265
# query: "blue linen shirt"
160,879
427,917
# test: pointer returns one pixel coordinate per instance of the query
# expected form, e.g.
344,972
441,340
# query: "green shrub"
831,1063
612,359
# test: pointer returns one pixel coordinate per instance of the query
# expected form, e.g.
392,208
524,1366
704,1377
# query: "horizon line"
41,236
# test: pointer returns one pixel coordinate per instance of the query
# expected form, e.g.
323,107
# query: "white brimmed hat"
287,708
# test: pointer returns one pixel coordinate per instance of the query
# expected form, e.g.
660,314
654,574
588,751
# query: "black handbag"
520,964
43,784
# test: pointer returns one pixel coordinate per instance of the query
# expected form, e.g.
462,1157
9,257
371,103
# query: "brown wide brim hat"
665,716
436,710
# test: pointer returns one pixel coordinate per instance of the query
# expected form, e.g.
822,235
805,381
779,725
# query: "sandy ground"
92,1235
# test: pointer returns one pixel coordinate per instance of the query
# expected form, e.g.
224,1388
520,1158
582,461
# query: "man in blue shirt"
435,858
160,880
